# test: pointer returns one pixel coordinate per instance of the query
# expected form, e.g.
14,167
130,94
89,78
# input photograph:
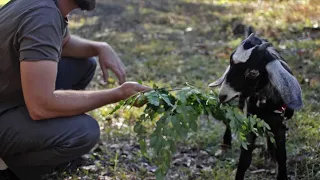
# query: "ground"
169,43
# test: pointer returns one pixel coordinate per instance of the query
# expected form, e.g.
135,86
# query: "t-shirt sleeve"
40,35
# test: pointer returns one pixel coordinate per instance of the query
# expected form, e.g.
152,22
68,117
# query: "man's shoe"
3,165
7,175
5,172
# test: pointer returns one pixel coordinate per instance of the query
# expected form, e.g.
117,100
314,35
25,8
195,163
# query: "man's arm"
39,38
74,46
44,102
78,47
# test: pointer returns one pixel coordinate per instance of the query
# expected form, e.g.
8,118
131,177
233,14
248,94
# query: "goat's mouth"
224,99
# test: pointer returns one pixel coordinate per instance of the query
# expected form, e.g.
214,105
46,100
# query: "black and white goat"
262,83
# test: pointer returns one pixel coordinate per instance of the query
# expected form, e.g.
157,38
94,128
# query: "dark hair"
86,5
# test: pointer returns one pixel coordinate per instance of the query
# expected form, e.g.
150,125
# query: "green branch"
174,116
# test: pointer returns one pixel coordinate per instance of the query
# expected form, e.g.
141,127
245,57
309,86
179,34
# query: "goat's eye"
252,74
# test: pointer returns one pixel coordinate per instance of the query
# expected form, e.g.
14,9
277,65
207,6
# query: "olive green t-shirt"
30,30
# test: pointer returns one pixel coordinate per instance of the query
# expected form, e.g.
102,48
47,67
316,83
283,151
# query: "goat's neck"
266,100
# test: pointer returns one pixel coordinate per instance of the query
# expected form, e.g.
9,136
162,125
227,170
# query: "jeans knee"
92,63
92,132
87,136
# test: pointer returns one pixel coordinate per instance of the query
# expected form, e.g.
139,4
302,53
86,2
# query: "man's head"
86,5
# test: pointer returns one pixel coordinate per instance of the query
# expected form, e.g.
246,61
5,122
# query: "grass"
172,42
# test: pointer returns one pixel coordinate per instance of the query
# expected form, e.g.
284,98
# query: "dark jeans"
31,148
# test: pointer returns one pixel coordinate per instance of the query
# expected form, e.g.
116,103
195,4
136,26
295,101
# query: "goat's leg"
227,137
245,157
226,144
281,154
278,152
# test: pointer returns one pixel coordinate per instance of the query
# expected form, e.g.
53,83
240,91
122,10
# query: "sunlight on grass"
2,2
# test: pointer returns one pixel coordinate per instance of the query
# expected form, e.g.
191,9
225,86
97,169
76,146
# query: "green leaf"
173,147
193,125
153,141
166,99
168,120
143,147
159,144
244,145
181,95
153,98
267,126
138,128
232,124
260,124
176,124
159,175
184,133
272,140
167,157
118,106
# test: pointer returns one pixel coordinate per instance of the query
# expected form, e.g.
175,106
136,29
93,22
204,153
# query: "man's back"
24,26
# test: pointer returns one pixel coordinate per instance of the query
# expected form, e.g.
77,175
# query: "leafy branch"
174,113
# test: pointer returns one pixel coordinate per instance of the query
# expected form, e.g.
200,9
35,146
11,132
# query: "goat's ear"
264,46
221,79
286,84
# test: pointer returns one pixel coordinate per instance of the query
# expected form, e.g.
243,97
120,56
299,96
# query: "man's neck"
66,6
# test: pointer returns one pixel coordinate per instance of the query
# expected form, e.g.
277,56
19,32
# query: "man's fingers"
143,88
120,74
122,70
105,74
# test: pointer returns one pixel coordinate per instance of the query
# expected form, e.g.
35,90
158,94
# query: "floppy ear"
264,46
286,84
221,79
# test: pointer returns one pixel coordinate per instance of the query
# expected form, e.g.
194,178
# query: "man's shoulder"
46,7
22,8
29,4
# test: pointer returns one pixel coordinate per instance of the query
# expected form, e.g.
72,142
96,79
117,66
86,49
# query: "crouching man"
43,104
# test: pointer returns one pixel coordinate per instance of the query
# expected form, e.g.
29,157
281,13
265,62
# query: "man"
42,98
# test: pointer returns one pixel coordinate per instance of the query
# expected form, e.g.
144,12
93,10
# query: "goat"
260,80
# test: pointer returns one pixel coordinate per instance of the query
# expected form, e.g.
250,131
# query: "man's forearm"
44,102
81,48
70,102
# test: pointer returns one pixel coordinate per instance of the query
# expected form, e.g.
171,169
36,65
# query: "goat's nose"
222,98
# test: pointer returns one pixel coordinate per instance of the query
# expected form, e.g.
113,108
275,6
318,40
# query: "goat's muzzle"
223,98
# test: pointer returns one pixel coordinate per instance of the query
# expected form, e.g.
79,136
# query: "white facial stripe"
241,55
227,90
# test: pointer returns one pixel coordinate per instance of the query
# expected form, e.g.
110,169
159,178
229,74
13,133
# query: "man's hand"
83,48
109,60
132,88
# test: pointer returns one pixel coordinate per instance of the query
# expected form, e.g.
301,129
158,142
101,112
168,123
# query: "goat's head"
253,65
